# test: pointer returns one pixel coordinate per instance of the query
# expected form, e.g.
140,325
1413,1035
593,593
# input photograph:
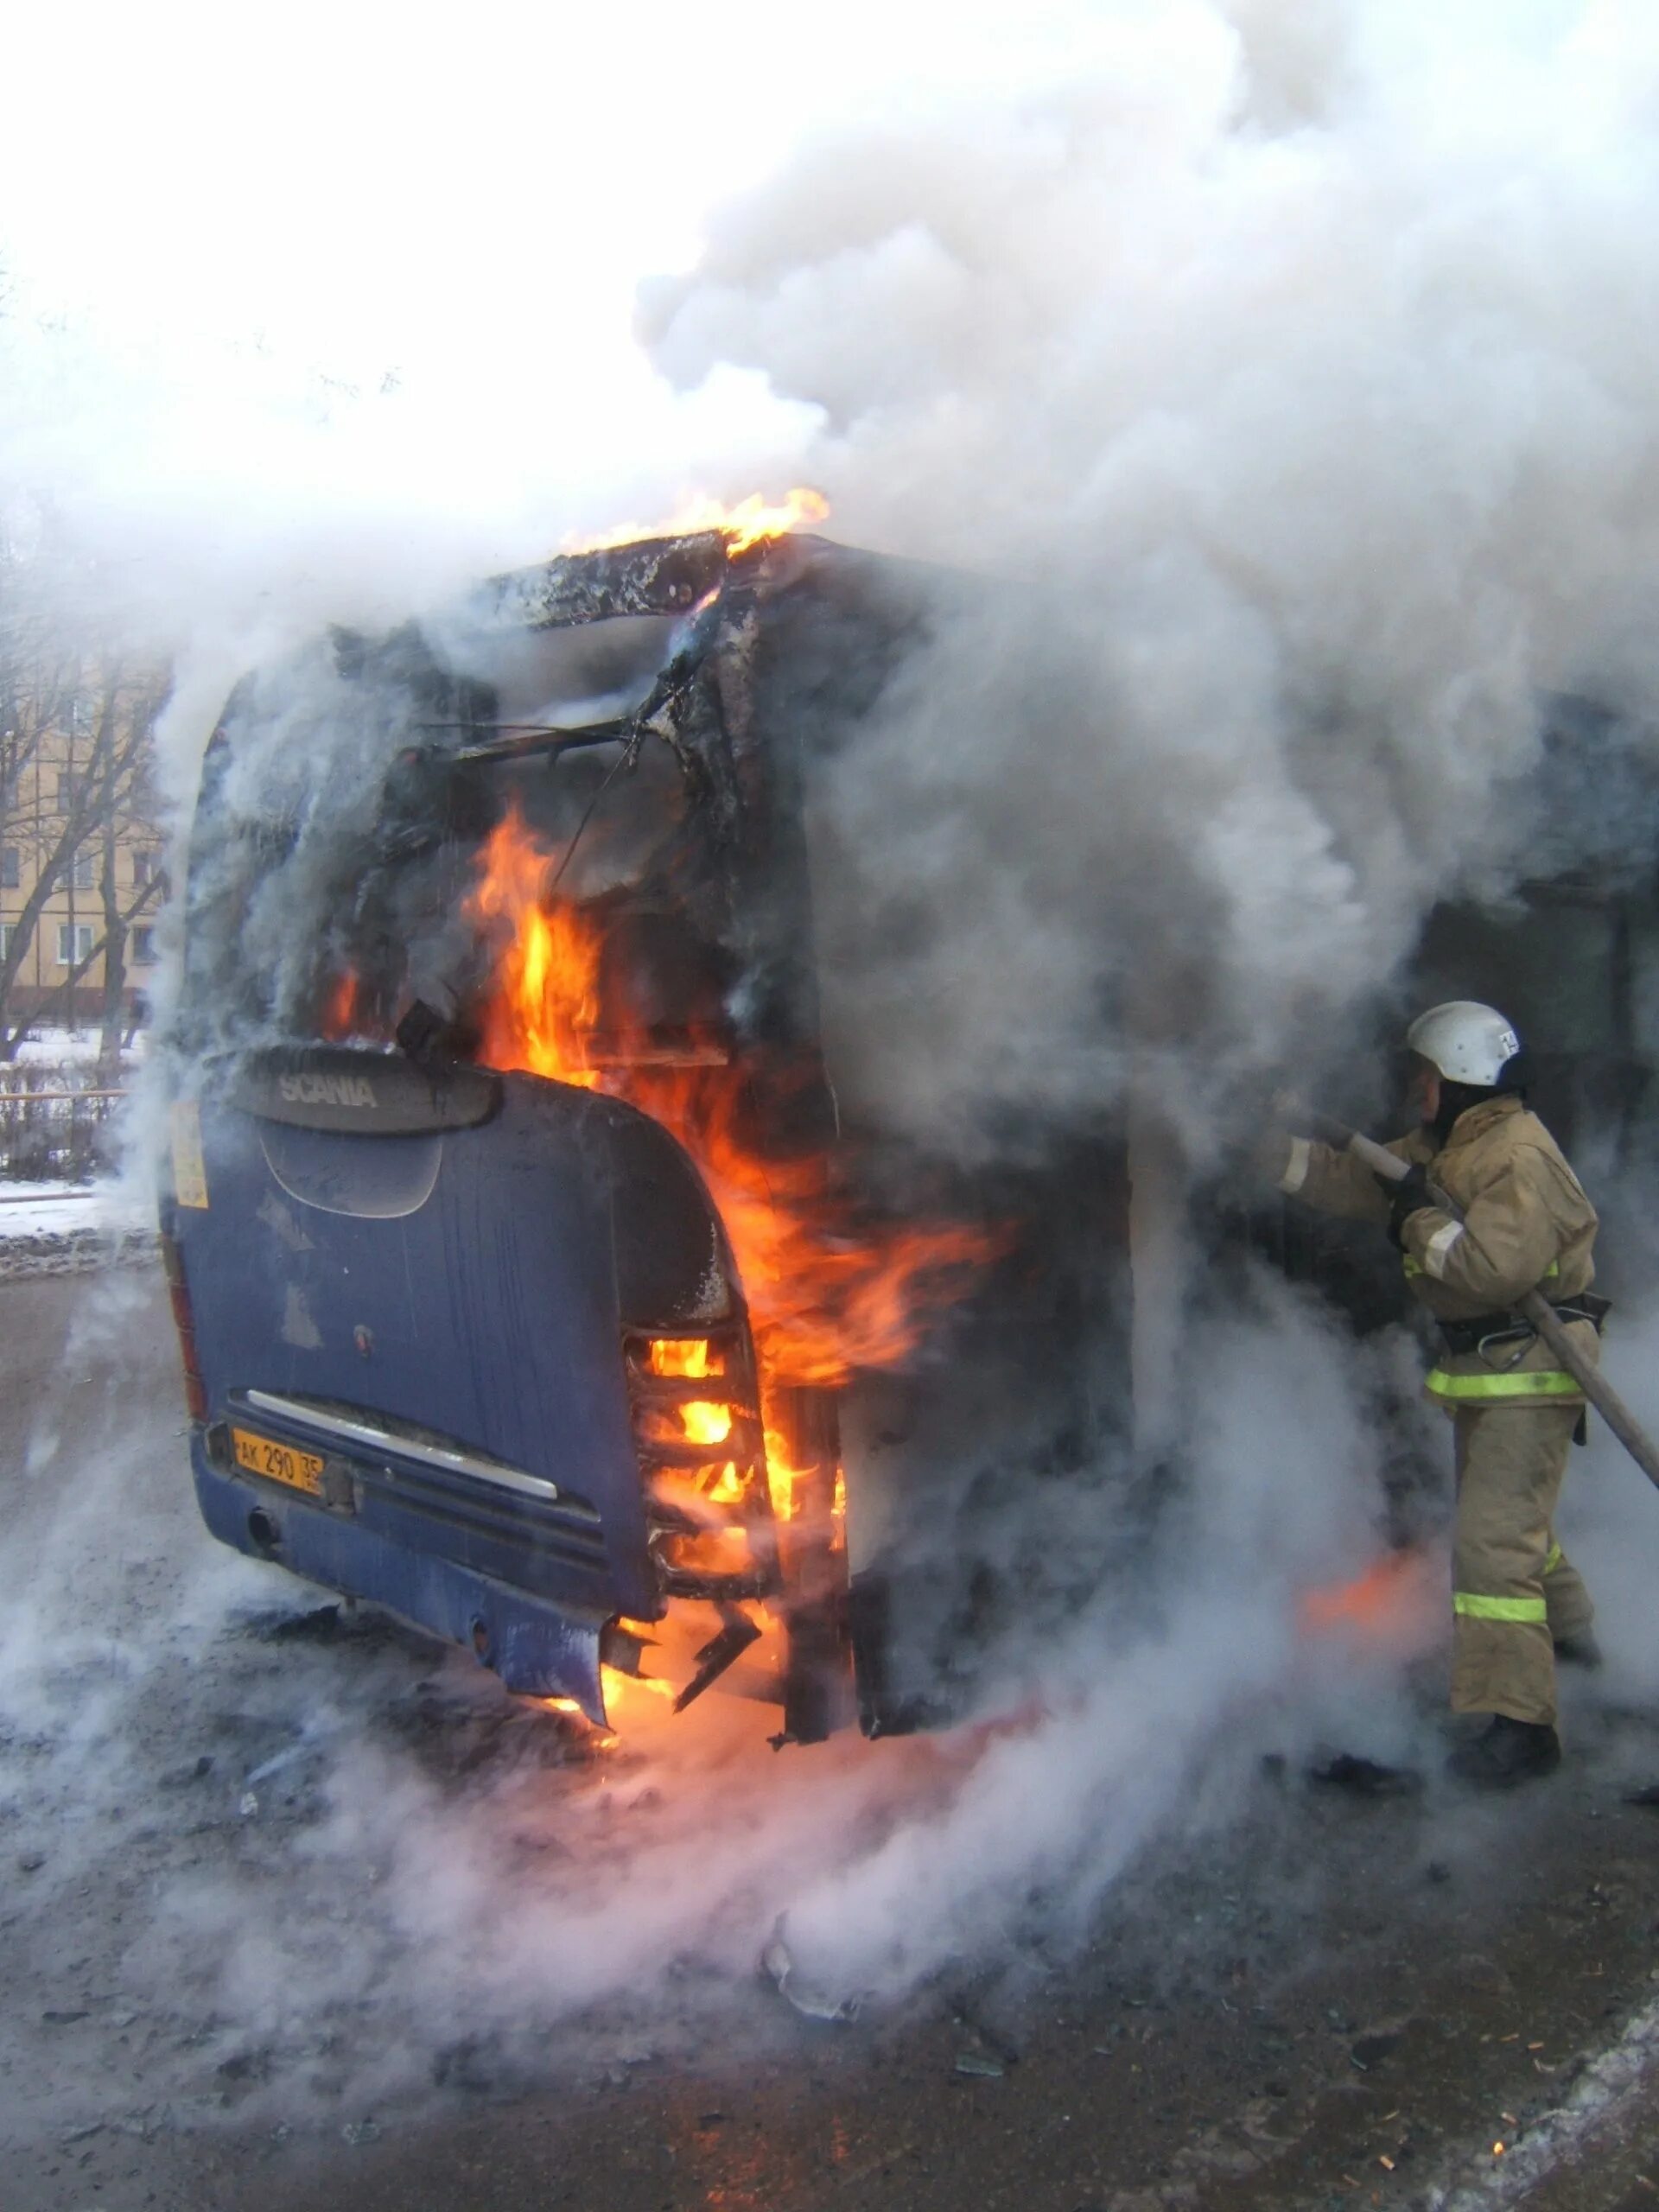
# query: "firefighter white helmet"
1466,1041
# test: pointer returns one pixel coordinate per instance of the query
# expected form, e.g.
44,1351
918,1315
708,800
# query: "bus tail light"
178,1292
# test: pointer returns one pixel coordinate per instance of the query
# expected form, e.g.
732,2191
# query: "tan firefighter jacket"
1528,1226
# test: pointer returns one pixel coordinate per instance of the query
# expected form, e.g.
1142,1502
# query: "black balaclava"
1458,1098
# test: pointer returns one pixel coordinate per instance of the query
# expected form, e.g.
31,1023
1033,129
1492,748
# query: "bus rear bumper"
538,1650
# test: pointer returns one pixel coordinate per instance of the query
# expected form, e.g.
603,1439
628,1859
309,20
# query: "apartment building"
47,801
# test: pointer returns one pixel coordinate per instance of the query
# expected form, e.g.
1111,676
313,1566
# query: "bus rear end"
433,1326
518,1269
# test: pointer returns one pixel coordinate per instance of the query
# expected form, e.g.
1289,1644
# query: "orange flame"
694,1357
620,1687
784,1480
1393,1604
826,1293
342,1015
545,1001
706,1423
748,523
702,1421
690,1356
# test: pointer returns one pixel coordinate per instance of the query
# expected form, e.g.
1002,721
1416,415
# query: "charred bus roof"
645,708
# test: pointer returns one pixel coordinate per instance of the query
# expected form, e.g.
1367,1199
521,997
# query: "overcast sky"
371,263
377,262
302,296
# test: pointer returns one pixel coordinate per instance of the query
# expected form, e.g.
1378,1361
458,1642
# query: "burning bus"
532,1279
544,1273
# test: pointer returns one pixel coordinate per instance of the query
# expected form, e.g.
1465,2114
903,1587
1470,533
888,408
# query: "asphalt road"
219,1984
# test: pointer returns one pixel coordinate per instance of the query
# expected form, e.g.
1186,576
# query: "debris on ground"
1363,1778
979,2064
983,2055
275,1764
1370,2050
179,1776
778,1964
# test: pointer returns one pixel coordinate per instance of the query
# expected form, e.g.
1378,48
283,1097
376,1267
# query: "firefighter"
1518,1604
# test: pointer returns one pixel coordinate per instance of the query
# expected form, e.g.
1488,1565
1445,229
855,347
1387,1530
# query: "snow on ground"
57,1228
51,1208
61,1209
51,1047
46,1218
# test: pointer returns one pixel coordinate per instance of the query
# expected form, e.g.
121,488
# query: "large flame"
748,523
544,1004
826,1292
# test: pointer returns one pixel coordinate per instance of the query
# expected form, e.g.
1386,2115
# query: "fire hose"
1535,1307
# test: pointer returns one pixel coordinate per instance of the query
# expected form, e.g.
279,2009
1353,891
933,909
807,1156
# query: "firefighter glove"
1407,1197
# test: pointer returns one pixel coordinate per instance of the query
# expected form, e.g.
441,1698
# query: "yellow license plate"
280,1463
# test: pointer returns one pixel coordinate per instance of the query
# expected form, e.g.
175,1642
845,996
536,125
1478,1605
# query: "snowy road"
290,1910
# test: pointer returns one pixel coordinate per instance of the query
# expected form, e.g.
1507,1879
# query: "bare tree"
76,750
40,674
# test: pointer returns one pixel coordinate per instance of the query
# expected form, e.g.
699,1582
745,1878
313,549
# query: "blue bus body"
442,1316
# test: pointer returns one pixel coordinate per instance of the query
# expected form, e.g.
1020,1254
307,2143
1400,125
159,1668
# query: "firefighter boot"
1507,1753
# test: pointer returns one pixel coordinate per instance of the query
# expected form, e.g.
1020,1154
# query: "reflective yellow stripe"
1539,1382
1413,1267
1556,1555
1498,1609
1551,1270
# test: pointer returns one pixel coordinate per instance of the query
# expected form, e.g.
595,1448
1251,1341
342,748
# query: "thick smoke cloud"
1301,365
1287,373
308,1875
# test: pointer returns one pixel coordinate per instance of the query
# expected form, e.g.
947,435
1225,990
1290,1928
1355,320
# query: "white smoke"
1302,361
1288,373
305,1877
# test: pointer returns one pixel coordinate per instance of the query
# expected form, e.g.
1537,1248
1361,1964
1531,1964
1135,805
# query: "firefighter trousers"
1515,1595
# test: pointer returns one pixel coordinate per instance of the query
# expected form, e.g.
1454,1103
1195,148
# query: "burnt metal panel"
663,576
673,1269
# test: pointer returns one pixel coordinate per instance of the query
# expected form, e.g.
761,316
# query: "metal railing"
52,1129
